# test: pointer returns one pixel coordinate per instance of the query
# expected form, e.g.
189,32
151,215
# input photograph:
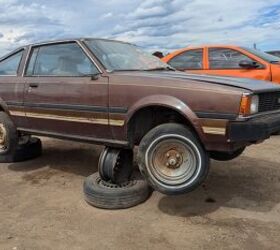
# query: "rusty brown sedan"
112,93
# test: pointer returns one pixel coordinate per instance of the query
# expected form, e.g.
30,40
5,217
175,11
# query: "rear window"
10,65
191,59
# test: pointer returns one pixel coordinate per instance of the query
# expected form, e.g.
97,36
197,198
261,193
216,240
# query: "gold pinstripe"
91,120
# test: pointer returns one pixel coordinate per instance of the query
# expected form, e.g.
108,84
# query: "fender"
168,102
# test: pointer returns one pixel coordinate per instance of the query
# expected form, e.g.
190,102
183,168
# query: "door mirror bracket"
247,64
95,77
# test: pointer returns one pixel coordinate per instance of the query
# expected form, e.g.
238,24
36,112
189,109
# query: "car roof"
65,40
190,47
208,46
73,39
273,51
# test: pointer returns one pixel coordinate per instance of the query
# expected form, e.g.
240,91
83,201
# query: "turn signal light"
245,105
249,105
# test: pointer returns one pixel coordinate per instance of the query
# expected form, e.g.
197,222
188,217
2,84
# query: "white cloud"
153,24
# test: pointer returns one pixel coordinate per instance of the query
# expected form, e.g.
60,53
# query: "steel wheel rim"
175,175
3,137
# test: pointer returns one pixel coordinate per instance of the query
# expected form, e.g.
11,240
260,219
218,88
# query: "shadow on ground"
245,183
75,158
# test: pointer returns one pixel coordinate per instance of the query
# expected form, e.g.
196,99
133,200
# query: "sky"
164,25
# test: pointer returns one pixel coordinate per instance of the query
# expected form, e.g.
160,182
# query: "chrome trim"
91,120
88,55
79,43
53,42
26,60
214,130
12,52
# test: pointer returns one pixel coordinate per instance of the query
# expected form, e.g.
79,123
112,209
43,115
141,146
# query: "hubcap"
174,158
173,161
3,135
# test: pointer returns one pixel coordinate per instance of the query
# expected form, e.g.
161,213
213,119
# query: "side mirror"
95,77
247,64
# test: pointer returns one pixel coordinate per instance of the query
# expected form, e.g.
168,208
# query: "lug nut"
167,155
172,162
177,155
167,164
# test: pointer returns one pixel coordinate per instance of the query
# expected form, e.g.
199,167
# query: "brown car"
111,93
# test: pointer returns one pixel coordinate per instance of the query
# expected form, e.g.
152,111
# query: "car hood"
236,82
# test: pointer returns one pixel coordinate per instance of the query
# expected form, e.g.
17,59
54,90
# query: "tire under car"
12,147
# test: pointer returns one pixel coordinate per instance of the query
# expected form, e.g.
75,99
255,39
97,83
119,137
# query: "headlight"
249,105
254,107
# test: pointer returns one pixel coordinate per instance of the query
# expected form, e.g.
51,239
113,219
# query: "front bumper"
254,129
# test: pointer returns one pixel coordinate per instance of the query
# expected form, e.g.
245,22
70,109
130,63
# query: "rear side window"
66,59
10,65
191,59
223,58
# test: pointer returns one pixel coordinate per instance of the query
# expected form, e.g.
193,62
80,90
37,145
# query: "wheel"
13,147
172,159
226,156
115,165
102,194
8,138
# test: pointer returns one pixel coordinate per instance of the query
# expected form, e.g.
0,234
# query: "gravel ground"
42,206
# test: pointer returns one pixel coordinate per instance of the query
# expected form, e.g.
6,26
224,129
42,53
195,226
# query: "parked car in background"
227,61
274,53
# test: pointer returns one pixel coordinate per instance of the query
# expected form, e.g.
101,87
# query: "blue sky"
153,24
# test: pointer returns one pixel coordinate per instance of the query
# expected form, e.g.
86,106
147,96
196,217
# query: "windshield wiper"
152,69
162,68
117,70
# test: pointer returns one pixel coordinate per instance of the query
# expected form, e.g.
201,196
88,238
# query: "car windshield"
265,56
119,56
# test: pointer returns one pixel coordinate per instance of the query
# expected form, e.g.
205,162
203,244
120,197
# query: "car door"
65,92
225,61
12,85
189,61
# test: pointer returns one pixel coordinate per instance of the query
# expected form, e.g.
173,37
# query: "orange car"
227,61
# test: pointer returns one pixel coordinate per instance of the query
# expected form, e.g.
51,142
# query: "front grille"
269,101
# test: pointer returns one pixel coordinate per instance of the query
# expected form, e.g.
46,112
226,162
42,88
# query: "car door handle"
33,85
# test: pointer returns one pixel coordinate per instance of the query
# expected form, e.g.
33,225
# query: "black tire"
102,194
178,138
115,165
30,150
10,149
226,156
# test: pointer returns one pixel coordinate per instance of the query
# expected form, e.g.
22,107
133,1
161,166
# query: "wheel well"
147,118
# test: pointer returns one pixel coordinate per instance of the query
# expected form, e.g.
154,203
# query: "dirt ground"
42,206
